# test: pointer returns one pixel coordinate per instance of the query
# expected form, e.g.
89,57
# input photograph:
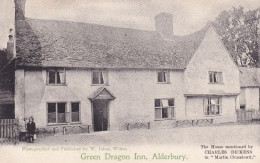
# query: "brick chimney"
164,25
19,9
10,46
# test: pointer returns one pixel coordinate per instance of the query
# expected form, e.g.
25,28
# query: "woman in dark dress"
31,129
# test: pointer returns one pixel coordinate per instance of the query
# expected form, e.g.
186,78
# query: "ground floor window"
164,109
58,112
212,106
75,112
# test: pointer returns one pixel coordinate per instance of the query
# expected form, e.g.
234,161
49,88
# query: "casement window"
215,77
212,106
164,108
75,112
163,77
56,76
99,77
57,112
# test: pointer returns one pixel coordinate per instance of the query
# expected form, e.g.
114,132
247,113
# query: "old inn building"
71,73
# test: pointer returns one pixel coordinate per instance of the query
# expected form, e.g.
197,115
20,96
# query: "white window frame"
104,75
56,71
215,77
210,109
161,108
56,112
68,111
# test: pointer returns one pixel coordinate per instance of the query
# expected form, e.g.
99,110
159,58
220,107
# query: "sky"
188,15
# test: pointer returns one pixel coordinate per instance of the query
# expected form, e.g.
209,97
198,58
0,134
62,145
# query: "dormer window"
56,76
99,77
163,77
215,77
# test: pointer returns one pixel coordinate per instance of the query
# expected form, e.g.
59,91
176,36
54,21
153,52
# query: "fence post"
2,131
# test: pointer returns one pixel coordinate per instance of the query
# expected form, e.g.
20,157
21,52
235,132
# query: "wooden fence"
248,115
9,130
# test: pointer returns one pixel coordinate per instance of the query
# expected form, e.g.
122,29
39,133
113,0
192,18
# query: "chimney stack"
19,9
164,25
10,46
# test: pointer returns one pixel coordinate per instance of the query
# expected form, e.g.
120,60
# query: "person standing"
31,127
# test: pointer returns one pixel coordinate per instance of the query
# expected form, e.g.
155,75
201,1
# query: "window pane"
164,112
217,109
207,110
75,107
170,112
61,107
75,112
51,117
75,116
60,77
215,77
212,109
95,78
171,102
51,77
157,102
213,101
51,107
61,113
101,78
51,112
164,103
158,113
161,77
164,76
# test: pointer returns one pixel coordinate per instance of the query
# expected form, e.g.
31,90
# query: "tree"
3,54
239,32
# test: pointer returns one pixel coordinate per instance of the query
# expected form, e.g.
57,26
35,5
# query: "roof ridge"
122,28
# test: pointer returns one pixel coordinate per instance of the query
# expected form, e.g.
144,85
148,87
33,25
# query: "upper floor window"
212,106
164,108
215,77
99,77
163,77
56,76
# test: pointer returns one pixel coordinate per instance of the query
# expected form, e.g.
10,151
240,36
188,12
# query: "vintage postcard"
129,81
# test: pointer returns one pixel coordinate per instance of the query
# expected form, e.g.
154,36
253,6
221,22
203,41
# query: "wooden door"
100,109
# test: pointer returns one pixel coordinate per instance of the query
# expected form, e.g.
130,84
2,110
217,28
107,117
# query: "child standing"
31,129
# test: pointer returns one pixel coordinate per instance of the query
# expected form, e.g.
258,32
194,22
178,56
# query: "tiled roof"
51,43
248,77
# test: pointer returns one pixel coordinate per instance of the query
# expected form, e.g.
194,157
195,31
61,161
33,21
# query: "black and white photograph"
129,81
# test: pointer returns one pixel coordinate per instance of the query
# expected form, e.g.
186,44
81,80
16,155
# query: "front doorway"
100,116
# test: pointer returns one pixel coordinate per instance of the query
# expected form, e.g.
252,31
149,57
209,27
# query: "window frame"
55,71
161,108
68,111
56,112
215,72
167,76
104,75
205,106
